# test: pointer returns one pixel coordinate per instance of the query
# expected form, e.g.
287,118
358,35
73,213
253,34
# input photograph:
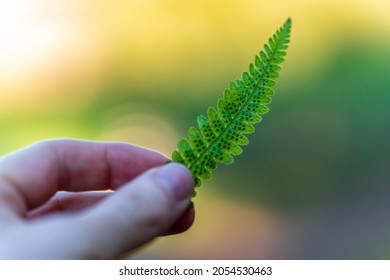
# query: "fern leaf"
221,133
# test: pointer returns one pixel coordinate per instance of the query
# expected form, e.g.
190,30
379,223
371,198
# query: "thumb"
139,211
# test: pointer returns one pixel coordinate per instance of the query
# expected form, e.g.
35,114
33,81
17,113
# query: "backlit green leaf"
221,134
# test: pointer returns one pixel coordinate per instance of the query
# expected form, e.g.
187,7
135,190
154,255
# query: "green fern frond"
221,133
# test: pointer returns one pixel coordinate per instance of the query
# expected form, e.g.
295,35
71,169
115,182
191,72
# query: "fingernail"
175,179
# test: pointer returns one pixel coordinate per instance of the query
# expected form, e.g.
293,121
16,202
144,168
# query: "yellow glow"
45,47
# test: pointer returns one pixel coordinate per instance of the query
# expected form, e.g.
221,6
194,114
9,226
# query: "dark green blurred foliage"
325,137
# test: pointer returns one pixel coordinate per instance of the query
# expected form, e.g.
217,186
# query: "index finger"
29,177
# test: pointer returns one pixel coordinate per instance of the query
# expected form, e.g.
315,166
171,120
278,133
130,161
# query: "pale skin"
52,205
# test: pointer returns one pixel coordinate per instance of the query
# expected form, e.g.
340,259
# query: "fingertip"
176,180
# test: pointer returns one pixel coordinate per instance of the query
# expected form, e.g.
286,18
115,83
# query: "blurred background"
314,181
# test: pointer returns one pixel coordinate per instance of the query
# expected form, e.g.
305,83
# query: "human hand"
38,222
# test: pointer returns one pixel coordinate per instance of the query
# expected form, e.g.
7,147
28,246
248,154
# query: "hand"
52,205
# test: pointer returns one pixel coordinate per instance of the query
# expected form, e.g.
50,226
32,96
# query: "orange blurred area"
312,184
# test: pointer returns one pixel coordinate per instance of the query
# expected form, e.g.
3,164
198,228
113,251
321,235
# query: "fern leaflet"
221,134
